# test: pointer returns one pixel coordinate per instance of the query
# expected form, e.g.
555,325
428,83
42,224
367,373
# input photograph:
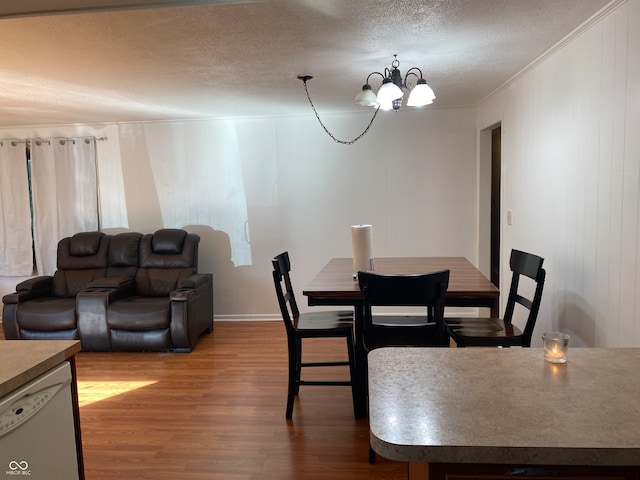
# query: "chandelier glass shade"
388,92
366,97
421,95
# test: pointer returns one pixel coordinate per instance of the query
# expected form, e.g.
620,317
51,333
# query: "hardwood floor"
219,413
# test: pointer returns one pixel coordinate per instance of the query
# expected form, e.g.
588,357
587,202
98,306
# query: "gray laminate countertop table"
502,406
23,360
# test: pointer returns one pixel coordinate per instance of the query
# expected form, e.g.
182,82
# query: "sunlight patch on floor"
91,392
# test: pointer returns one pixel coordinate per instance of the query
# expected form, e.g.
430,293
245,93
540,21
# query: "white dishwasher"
37,434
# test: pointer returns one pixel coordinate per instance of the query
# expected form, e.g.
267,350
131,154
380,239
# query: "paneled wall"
571,168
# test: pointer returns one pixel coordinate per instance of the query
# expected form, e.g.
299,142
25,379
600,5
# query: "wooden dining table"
337,285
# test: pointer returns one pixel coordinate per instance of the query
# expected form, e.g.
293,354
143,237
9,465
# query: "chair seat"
338,321
402,321
391,330
482,330
486,324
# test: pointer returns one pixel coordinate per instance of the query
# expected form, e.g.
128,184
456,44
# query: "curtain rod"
62,140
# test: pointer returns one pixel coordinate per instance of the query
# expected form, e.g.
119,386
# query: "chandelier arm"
409,72
337,140
374,73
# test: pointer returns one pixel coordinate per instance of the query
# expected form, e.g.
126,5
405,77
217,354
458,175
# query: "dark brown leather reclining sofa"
124,292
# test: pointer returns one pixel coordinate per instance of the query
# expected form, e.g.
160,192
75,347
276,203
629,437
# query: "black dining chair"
424,329
401,292
496,332
301,326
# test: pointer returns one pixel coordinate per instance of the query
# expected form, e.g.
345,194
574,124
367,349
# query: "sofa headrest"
151,256
123,250
85,244
87,250
168,241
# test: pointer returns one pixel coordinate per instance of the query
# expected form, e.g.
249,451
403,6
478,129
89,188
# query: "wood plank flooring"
219,413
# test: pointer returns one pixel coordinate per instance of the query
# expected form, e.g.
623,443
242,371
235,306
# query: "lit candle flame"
556,352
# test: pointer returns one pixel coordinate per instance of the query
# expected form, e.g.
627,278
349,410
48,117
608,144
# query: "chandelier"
389,96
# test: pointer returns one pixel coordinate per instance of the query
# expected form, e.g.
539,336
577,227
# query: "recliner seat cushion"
47,314
127,340
53,335
140,313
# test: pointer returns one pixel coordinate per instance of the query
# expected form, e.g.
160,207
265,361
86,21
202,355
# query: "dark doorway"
496,141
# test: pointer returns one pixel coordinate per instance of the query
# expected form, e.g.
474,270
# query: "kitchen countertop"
503,406
24,360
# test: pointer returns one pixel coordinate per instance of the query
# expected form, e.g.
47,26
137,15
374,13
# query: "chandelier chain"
337,140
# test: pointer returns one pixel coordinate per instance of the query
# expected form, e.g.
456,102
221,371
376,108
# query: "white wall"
255,187
571,176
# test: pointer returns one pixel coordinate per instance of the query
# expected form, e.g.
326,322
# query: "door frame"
489,207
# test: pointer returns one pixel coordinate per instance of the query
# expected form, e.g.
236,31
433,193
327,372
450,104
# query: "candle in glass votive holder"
556,345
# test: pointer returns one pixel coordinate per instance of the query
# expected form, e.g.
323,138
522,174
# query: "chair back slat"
525,264
284,289
525,302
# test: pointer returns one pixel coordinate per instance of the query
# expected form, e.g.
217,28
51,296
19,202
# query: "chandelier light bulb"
388,92
421,95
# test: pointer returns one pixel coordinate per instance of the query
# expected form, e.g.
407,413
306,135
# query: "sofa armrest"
191,286
35,283
191,310
194,281
30,288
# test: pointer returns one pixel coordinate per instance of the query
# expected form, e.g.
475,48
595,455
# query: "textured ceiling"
242,59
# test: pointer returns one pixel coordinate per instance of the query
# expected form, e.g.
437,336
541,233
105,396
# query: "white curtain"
16,255
65,194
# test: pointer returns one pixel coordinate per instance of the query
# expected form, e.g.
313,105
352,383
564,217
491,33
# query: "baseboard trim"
248,318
